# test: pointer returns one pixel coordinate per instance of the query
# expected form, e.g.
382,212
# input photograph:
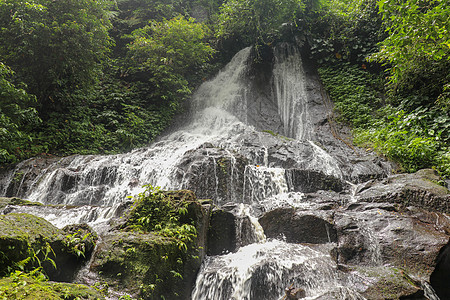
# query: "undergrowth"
409,133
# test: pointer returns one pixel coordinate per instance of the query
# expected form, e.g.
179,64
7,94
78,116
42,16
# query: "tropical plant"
54,45
17,117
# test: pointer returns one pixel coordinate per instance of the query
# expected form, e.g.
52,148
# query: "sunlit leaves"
418,31
167,52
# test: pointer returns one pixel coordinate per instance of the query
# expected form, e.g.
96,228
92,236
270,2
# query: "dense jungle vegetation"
102,76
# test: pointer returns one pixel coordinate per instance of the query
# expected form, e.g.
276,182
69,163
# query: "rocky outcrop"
389,237
309,181
31,241
213,172
149,264
421,189
297,226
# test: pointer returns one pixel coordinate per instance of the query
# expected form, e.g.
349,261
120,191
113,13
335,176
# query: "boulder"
28,288
440,277
228,232
24,236
149,264
298,226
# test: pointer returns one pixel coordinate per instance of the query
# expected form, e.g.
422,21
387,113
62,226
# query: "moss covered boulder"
5,201
24,287
157,249
27,242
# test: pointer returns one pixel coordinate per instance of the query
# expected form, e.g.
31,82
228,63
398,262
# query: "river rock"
298,226
149,265
419,189
229,231
25,235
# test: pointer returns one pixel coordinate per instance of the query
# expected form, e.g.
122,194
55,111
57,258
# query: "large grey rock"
419,189
298,226
228,232
372,234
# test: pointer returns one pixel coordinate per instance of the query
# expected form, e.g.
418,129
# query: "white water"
289,81
262,271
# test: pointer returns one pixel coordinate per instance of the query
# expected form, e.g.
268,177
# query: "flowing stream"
221,155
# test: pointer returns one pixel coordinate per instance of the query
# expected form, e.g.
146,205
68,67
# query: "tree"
418,47
167,52
255,21
54,45
17,117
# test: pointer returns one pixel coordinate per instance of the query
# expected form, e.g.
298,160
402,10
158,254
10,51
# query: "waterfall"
219,156
292,98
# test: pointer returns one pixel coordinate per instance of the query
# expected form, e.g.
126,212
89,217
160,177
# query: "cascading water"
219,156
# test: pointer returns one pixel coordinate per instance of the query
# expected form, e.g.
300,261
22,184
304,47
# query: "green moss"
144,263
391,283
24,287
155,247
4,201
282,137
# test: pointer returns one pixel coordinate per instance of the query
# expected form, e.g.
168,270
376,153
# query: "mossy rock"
26,288
25,236
390,283
142,261
5,201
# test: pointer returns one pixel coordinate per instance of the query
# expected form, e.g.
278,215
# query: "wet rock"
213,173
298,227
419,189
440,277
228,232
6,201
293,293
149,265
309,181
24,235
377,234
18,181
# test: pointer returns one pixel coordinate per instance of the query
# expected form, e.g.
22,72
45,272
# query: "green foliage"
409,140
345,31
75,243
32,285
17,118
415,139
156,212
54,45
256,21
165,52
354,92
115,116
418,35
32,263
